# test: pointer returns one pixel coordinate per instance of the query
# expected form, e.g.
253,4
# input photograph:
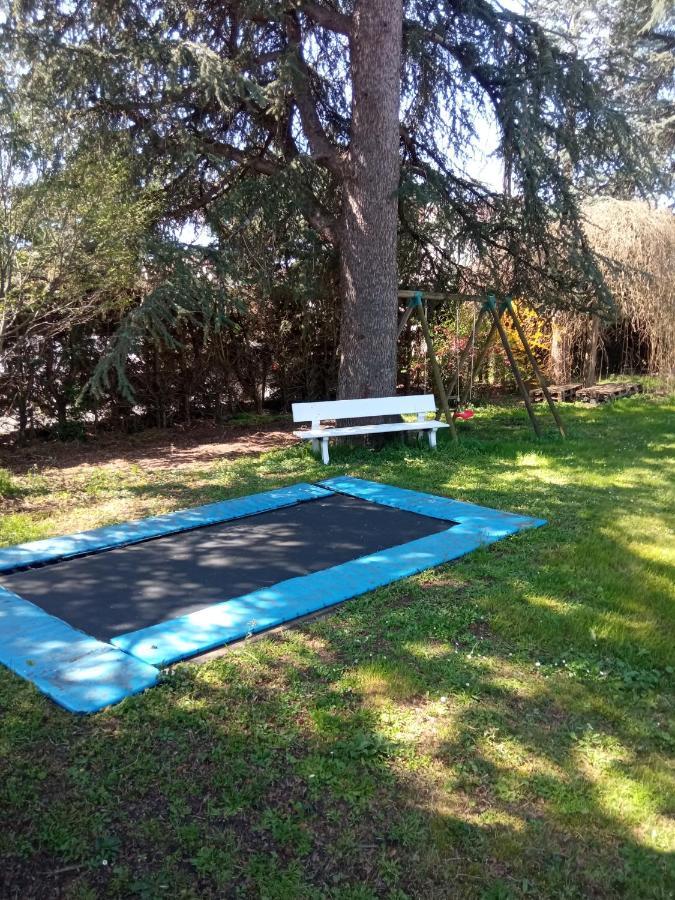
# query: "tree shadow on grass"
405,745
372,752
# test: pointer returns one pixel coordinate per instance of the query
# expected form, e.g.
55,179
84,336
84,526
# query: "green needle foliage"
234,118
631,47
211,93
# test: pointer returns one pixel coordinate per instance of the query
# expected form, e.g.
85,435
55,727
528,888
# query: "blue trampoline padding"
52,549
79,672
84,675
222,623
478,517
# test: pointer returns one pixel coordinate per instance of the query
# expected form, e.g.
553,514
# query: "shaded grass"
500,727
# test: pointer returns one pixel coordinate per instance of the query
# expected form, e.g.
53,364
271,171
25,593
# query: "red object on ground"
465,414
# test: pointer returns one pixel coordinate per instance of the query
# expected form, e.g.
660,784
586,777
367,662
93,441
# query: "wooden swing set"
485,307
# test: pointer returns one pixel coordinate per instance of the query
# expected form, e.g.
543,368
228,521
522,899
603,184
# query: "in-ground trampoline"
92,617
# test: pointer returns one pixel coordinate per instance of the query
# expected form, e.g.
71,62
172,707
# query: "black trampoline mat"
121,590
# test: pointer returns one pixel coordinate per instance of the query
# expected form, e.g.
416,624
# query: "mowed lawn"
501,727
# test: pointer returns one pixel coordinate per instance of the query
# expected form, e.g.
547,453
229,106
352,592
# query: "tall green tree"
72,253
370,109
630,46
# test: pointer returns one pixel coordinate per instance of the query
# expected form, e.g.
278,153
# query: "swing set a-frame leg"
407,312
535,365
496,318
495,311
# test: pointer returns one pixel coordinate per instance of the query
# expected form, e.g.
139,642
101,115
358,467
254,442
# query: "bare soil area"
154,448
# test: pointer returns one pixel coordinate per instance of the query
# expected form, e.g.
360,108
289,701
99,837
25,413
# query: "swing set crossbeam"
495,309
431,295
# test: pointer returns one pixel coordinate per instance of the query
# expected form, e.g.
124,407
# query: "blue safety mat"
77,671
232,620
84,674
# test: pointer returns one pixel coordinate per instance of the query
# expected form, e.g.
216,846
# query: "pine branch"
325,16
322,150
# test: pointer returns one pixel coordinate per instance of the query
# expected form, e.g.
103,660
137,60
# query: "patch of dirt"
401,601
155,448
448,581
481,630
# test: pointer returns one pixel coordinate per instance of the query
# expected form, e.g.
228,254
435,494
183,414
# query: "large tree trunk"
368,271
561,351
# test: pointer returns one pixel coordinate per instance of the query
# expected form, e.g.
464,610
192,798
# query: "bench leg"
432,438
324,451
316,446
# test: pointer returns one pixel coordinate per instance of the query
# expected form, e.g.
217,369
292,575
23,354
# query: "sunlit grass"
494,729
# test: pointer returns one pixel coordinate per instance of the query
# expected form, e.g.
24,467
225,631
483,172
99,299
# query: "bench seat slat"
360,409
314,433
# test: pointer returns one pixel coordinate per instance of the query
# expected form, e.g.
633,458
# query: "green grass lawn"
497,728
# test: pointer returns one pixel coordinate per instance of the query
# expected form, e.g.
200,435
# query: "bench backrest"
361,409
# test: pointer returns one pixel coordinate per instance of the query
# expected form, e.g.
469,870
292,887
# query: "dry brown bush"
640,243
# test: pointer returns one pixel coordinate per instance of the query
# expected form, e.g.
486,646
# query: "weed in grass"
287,830
216,864
8,486
274,881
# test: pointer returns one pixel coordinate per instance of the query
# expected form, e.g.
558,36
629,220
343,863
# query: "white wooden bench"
315,413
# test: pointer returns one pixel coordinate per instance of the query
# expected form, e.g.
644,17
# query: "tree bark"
561,352
368,270
591,352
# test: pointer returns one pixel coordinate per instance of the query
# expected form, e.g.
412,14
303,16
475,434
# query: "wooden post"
591,351
561,362
435,368
535,366
403,320
491,305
